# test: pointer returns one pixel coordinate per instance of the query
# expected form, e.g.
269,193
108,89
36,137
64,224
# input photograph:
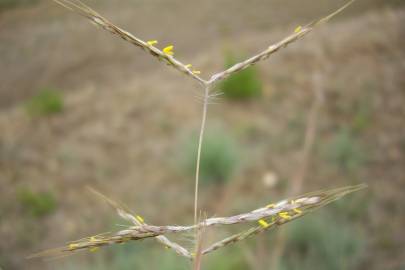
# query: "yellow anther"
93,239
169,50
298,211
284,215
192,254
73,246
140,219
94,249
263,223
152,42
188,66
298,29
270,205
196,72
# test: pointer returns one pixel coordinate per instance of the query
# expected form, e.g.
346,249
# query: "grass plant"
260,220
46,102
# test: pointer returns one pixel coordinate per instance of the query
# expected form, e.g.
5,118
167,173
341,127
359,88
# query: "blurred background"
79,107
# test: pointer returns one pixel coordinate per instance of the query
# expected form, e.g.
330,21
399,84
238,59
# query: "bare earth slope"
125,115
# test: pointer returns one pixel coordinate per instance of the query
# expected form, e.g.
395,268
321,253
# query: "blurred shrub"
354,207
5,4
229,258
362,116
320,242
219,157
243,85
344,150
46,102
37,204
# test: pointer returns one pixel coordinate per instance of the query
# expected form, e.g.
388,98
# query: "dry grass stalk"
198,254
279,213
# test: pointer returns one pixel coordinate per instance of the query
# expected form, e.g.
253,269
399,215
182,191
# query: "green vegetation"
37,204
322,242
231,258
219,157
243,85
46,102
354,207
345,151
362,118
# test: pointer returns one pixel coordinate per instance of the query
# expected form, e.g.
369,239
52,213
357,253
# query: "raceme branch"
267,217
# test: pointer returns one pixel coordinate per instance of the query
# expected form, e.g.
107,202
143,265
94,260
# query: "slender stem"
200,141
198,247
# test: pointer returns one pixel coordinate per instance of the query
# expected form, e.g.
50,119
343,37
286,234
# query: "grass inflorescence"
237,74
